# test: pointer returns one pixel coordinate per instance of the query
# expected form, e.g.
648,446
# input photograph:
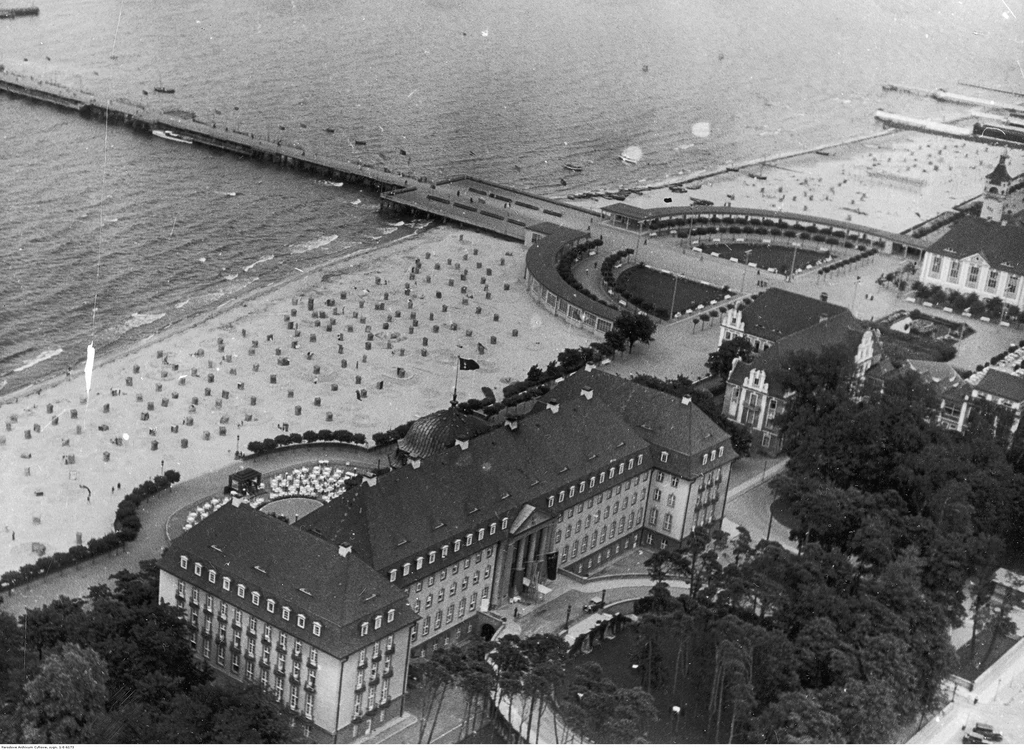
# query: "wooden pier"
471,201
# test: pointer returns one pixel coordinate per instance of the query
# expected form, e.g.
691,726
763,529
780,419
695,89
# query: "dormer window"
393,575
551,501
479,535
493,528
444,551
664,456
377,622
300,620
419,563
364,629
198,569
240,591
640,459
316,628
271,606
704,462
469,539
721,451
391,615
184,562
256,598
211,576
504,523
432,557
286,613
406,568
226,583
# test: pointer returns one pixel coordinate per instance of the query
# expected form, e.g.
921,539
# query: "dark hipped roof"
660,419
1002,247
778,313
410,510
1002,384
942,376
840,330
435,432
295,569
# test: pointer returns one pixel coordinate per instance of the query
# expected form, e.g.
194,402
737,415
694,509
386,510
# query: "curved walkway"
155,514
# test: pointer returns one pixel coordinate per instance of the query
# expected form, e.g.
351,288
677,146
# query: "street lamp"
853,304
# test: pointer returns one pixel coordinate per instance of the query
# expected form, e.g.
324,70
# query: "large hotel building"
479,518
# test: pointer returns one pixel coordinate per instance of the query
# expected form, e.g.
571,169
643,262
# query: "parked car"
988,732
972,738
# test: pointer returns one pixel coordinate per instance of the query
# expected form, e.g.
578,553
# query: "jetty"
122,111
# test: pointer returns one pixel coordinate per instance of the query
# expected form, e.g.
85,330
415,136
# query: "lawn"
660,287
777,258
970,668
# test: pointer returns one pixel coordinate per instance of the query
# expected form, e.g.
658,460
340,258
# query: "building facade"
774,315
983,255
486,523
755,393
323,634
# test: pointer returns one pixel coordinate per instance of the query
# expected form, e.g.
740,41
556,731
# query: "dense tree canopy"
116,667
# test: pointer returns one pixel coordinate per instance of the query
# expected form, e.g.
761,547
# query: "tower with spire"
997,187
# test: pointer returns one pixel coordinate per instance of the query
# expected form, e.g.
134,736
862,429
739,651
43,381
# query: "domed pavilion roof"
438,431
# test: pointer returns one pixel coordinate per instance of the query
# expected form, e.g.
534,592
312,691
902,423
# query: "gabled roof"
435,432
662,420
294,568
1002,247
1002,384
840,330
411,510
778,313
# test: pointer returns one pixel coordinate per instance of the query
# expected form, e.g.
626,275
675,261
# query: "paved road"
154,513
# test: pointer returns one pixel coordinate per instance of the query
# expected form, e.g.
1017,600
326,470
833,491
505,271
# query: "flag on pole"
468,364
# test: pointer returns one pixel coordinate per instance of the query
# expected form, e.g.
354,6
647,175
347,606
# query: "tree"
636,327
63,703
721,360
796,717
52,624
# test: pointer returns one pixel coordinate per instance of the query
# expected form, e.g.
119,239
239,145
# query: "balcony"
375,680
295,679
265,661
311,663
310,685
236,647
179,595
220,640
222,616
236,624
376,656
279,669
389,672
361,664
266,637
281,647
297,653
390,649
360,688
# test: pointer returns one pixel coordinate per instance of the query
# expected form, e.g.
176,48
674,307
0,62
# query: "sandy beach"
388,324
369,341
892,182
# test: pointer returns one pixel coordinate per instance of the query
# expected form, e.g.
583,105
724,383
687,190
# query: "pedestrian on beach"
515,613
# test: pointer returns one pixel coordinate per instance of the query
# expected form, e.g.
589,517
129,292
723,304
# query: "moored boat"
573,167
170,135
163,89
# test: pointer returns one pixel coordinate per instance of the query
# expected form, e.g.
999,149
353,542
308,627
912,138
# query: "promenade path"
155,514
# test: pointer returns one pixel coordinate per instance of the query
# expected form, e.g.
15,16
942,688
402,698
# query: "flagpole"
455,391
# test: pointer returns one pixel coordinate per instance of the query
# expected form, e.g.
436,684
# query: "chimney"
822,317
686,400
512,424
553,407
587,393
463,444
589,367
370,481
415,463
343,550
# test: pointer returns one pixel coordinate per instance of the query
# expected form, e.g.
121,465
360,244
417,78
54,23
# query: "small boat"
328,130
701,202
163,89
676,189
170,135
627,159
360,143
646,69
572,167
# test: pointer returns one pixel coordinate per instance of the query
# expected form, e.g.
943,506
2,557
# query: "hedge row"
847,261
569,259
269,445
126,528
991,307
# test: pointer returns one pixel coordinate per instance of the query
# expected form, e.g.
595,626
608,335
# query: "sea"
108,235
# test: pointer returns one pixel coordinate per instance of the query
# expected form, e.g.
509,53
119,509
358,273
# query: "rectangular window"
184,562
640,459
954,271
300,620
993,280
462,608
391,615
444,551
492,528
406,568
1011,285
432,557
419,563
450,614
936,265
256,598
316,628
426,627
631,463
212,576
271,606
393,575
437,620
602,478
611,472
286,613
504,523
198,569
972,275
572,491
